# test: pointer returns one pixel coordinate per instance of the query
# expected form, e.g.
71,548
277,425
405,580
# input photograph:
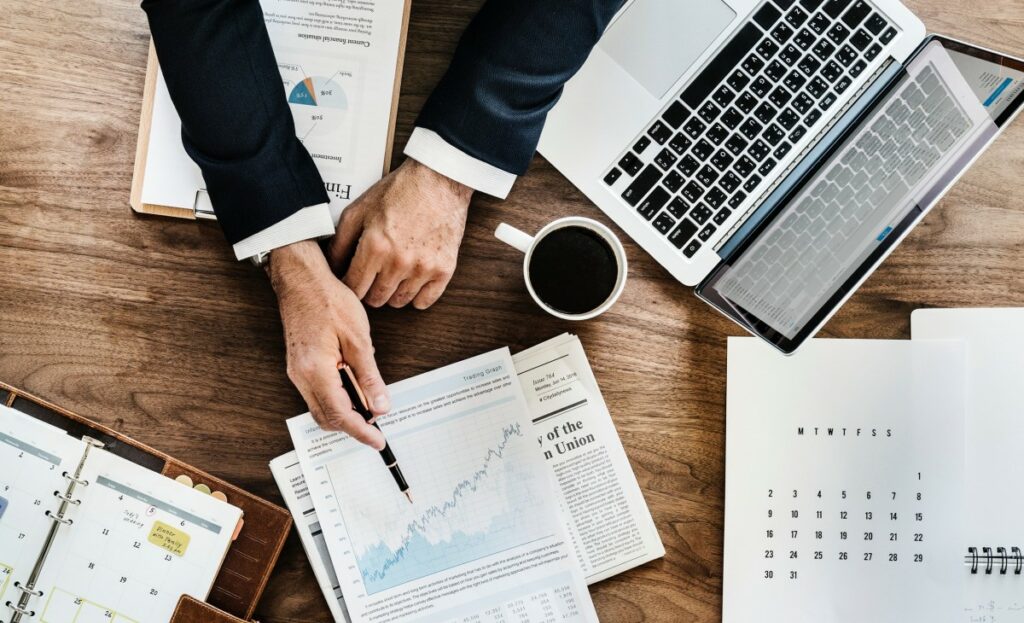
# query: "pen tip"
407,496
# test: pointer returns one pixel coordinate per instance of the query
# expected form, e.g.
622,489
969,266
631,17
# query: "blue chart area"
318,91
477,501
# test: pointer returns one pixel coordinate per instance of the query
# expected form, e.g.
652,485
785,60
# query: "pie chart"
318,91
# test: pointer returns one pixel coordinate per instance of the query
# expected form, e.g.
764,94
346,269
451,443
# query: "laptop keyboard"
724,135
806,253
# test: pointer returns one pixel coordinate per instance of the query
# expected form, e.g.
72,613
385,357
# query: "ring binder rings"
28,590
989,560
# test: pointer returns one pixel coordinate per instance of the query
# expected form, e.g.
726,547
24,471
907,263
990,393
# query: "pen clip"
355,393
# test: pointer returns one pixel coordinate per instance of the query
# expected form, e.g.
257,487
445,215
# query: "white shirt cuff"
428,148
307,223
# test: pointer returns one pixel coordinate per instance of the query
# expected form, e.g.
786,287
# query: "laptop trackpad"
656,41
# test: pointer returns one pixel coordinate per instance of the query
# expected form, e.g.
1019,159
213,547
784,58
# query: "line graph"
477,500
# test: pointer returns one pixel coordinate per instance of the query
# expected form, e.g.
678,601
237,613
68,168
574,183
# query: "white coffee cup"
526,244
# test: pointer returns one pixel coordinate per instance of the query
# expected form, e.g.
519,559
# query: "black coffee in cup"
573,270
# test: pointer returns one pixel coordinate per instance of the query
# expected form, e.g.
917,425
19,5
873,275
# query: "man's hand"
325,325
403,237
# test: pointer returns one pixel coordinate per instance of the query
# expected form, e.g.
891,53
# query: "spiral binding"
28,590
990,560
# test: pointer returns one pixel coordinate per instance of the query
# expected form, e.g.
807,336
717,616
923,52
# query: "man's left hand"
403,237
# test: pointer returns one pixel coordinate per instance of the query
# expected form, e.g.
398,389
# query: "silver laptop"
773,152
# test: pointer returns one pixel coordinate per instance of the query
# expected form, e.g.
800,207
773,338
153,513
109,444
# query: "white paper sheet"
994,441
483,540
844,482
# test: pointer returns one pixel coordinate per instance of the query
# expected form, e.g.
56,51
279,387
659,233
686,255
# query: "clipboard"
202,208
251,557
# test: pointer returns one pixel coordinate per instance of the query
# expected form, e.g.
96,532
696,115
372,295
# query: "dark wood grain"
149,325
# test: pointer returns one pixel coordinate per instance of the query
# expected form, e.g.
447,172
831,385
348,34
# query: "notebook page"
138,542
844,470
994,440
33,457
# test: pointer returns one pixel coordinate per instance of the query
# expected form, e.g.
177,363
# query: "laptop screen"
805,253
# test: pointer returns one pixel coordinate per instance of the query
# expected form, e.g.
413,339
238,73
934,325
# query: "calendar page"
138,541
844,482
33,457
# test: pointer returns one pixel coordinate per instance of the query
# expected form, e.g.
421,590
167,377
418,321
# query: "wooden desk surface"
150,326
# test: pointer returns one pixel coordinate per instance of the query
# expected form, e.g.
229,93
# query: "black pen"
359,405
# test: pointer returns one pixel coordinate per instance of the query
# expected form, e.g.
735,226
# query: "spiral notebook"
994,443
86,535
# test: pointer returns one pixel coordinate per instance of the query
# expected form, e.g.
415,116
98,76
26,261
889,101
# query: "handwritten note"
169,538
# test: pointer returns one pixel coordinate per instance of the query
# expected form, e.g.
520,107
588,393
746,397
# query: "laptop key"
736,200
612,176
775,71
736,144
675,115
787,119
631,164
751,129
872,52
802,103
709,112
722,65
751,183
753,64
767,48
691,248
702,150
641,144
715,197
833,8
654,202
738,80
842,84
780,97
846,55
832,71
677,207
760,87
730,182
701,213
759,150
688,165
717,134
694,127
809,64
682,233
838,33
746,102
766,16
811,5
796,17
660,132
827,101
673,181
706,232
784,4
731,118
723,96
665,159
888,35
876,24
765,113
858,68
642,185
804,39
766,166
744,166
856,14
782,33
861,40
680,143
823,49
723,215
781,151
797,133
774,135
819,23
693,192
707,175
664,222
790,54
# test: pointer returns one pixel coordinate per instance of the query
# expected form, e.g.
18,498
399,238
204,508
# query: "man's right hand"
325,326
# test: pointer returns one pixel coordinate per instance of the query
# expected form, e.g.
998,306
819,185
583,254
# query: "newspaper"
599,501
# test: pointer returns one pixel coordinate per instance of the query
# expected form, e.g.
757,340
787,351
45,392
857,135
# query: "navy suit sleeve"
508,71
235,122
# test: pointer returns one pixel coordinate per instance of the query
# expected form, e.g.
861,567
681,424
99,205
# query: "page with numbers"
33,457
138,542
844,482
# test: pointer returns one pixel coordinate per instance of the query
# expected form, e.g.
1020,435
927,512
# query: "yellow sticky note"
169,538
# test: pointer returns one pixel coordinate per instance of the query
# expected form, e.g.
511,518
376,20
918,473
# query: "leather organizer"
251,557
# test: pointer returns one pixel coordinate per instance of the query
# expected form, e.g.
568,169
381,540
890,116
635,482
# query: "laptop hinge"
727,238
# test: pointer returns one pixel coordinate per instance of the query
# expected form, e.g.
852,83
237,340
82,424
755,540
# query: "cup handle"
513,237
